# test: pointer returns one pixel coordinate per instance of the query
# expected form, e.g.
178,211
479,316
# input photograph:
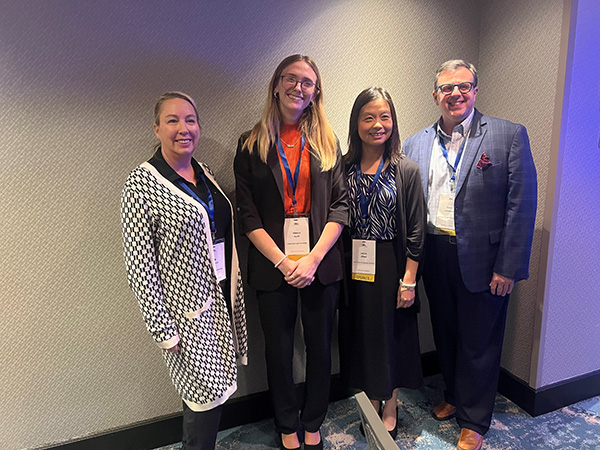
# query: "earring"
276,95
310,104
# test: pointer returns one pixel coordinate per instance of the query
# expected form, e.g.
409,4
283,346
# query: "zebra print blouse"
381,218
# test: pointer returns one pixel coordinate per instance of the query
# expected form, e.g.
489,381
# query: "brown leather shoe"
443,411
469,440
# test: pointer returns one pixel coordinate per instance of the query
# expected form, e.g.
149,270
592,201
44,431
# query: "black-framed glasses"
448,88
290,81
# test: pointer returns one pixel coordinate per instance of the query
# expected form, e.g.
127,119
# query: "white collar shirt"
440,170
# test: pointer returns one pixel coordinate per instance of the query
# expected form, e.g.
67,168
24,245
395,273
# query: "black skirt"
379,344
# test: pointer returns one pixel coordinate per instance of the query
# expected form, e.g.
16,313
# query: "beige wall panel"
518,68
77,84
571,325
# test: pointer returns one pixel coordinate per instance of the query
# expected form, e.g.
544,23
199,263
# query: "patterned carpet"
576,427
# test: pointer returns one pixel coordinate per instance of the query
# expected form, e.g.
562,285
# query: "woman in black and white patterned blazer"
182,266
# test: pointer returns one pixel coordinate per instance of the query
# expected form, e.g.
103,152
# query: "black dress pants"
200,428
278,310
468,330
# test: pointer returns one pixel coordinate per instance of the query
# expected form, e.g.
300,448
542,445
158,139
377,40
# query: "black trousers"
200,428
278,311
468,330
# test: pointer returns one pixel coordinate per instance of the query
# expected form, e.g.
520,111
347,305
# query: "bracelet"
280,261
410,287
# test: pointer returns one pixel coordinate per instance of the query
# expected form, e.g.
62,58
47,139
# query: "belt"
442,237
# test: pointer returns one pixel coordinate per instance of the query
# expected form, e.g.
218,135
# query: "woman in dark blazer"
292,205
380,341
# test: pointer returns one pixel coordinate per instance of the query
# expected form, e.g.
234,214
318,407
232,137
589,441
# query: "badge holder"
363,260
444,221
219,255
296,237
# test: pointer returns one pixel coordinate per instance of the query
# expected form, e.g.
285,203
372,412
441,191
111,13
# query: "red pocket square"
484,161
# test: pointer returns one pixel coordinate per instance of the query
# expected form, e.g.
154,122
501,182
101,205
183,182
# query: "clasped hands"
300,273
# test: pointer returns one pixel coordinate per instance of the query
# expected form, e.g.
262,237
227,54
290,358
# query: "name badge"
219,254
296,237
444,221
363,260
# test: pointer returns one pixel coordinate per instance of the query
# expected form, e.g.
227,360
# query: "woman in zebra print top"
380,343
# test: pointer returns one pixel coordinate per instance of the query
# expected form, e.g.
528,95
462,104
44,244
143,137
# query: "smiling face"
375,124
177,129
293,100
455,107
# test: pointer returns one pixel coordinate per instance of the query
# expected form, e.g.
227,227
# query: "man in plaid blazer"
480,182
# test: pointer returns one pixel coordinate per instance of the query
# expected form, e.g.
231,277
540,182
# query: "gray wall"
570,322
77,84
519,67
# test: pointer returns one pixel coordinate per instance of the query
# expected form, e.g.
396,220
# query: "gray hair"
453,65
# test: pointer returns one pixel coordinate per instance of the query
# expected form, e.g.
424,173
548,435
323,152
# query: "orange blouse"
290,135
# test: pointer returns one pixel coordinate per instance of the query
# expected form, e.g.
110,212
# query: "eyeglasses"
464,88
290,81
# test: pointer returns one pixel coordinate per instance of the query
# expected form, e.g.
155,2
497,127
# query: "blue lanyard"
364,201
211,204
293,181
458,156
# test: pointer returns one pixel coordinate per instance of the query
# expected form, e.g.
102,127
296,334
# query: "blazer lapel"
476,135
213,181
275,166
424,155
315,171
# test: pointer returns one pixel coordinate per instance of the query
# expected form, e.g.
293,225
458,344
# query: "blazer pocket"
495,168
195,314
495,236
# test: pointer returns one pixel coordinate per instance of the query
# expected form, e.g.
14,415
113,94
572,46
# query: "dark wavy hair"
392,145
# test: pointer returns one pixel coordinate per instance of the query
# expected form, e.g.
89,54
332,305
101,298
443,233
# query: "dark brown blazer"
260,204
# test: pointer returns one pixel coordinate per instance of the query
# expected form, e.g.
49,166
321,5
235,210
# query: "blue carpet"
575,427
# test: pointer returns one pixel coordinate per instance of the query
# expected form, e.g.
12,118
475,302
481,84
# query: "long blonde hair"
312,124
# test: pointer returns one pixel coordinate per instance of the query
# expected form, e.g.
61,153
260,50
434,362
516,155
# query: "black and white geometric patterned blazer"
170,268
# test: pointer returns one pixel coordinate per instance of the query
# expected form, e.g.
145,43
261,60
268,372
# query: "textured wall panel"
77,85
572,325
519,49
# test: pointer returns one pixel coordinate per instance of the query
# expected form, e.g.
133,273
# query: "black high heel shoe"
318,446
361,429
393,432
283,447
